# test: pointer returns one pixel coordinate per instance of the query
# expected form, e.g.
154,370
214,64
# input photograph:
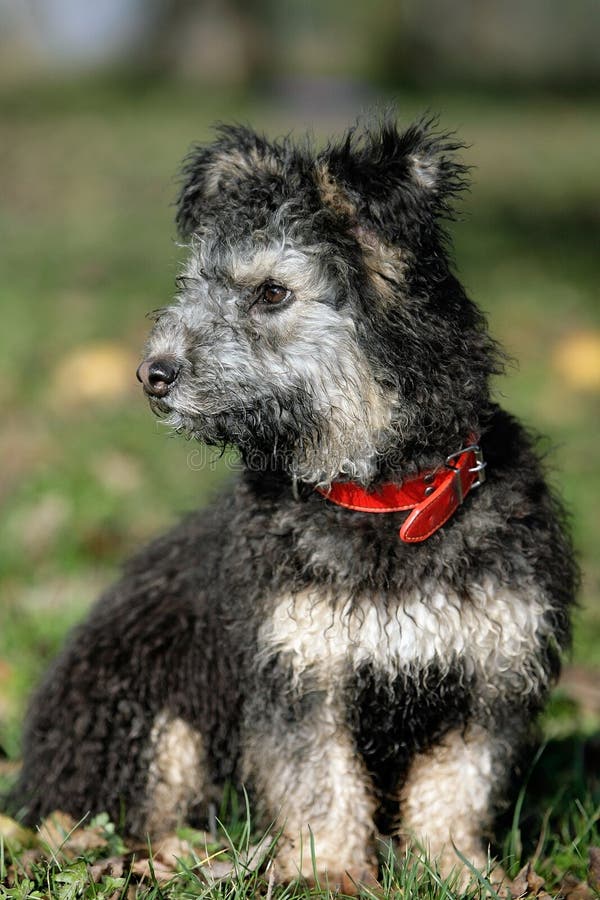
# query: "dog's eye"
273,294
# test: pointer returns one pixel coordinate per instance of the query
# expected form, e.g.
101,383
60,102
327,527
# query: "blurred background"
98,104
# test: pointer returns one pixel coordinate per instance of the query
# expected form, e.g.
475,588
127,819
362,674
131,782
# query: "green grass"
90,860
87,179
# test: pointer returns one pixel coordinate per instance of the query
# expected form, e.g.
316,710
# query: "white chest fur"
493,630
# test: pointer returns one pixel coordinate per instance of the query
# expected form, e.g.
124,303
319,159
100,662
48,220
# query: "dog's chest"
328,634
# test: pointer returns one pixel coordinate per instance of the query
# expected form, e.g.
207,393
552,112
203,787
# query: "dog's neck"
432,497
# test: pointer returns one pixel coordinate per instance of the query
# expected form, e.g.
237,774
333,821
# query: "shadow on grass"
555,816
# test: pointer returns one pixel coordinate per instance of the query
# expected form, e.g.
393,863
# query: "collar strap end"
432,497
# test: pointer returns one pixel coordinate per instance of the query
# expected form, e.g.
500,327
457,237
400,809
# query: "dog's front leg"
306,774
445,802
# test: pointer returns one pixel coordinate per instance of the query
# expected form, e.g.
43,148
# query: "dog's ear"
389,180
208,170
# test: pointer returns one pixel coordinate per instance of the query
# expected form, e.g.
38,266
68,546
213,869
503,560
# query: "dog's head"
317,325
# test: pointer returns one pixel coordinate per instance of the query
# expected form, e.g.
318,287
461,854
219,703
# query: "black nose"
157,375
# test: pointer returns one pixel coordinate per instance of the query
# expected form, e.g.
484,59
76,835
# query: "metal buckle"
479,467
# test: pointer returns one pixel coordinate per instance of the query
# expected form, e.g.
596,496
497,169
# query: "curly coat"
351,681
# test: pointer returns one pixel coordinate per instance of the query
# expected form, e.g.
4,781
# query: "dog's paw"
464,875
346,880
356,877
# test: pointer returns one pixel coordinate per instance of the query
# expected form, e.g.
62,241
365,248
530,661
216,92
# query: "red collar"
432,496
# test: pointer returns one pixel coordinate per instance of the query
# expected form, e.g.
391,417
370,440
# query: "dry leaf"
527,883
594,868
98,372
577,359
573,889
113,866
84,839
60,832
23,866
216,869
144,868
12,832
171,848
55,828
163,860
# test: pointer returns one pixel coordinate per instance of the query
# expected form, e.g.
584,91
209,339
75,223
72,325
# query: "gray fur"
345,677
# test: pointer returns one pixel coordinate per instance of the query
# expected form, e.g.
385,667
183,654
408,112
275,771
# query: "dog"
363,627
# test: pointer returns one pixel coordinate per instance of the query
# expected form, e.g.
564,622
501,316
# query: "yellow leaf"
577,359
99,372
13,833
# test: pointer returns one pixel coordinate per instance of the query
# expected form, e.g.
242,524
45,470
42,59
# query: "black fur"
182,631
